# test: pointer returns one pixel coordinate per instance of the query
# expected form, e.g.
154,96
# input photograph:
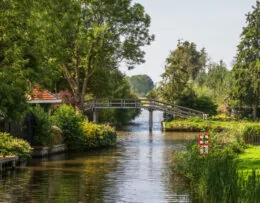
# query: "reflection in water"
137,170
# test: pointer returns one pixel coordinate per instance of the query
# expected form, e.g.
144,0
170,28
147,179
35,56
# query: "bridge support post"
150,120
95,116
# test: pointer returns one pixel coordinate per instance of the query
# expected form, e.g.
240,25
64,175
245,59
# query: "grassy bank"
231,171
199,125
250,159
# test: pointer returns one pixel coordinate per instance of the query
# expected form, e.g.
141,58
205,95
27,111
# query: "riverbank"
129,172
199,125
230,172
250,159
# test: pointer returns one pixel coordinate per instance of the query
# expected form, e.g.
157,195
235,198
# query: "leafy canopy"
246,71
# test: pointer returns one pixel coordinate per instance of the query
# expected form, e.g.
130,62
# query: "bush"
66,118
10,146
79,134
98,135
42,126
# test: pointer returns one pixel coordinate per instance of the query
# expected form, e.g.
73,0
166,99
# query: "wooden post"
150,120
14,163
95,116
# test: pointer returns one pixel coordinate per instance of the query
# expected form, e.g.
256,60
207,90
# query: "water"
137,170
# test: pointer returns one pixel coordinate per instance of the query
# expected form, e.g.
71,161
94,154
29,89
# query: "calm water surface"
138,169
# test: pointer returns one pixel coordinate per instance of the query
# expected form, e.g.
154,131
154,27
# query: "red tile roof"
42,96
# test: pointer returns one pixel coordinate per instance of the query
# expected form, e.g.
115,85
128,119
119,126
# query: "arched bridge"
149,104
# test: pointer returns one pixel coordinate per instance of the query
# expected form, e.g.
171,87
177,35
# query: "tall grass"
216,177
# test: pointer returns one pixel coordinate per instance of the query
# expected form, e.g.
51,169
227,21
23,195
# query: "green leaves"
10,146
141,84
246,71
182,66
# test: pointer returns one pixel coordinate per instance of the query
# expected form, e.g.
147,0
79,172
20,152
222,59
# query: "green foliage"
246,71
113,84
89,36
41,126
66,118
141,84
230,128
219,78
189,99
214,83
215,177
10,146
17,63
96,136
250,159
79,134
182,66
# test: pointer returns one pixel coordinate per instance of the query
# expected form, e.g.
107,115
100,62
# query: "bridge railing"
178,111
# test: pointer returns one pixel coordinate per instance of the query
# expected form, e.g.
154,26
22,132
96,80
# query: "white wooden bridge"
149,104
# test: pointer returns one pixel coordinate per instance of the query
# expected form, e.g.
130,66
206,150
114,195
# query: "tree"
141,84
18,65
183,65
218,78
246,71
202,103
78,37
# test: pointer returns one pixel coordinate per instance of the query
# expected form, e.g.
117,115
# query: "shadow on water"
138,169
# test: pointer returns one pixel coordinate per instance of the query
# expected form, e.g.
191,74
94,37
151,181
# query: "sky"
215,25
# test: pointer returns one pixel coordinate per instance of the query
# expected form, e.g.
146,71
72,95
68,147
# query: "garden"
63,126
67,126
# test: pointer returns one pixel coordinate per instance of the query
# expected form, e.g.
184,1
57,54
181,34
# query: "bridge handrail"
142,103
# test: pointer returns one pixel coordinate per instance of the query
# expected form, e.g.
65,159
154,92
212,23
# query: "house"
24,128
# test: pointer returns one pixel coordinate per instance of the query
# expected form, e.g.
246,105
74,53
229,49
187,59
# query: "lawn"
250,159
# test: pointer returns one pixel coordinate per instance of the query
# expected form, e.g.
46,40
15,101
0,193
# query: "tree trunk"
254,112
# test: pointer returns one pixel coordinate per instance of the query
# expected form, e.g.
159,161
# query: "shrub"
97,135
66,118
42,126
13,146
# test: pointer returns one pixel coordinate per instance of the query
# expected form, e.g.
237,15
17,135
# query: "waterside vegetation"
229,173
74,129
10,146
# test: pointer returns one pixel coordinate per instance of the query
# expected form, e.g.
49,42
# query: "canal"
137,170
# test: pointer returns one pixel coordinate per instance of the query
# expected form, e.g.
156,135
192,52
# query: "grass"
250,159
199,125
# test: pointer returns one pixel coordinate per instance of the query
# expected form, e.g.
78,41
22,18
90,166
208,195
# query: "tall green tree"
18,65
246,71
141,84
182,66
218,78
76,38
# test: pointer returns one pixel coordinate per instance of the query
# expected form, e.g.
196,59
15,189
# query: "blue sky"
213,24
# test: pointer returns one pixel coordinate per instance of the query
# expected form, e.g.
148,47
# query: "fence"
252,139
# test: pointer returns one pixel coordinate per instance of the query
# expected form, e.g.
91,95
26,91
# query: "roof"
39,96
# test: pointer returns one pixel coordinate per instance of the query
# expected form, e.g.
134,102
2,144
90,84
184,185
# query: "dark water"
137,170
